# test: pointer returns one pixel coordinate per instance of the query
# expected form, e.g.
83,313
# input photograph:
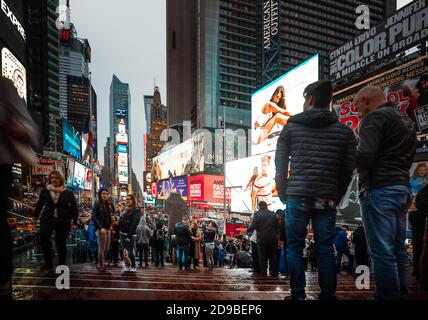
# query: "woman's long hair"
281,103
134,203
59,176
416,171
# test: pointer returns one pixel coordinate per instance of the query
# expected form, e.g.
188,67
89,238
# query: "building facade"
217,52
120,128
43,70
156,117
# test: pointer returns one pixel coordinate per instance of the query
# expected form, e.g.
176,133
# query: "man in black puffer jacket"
321,151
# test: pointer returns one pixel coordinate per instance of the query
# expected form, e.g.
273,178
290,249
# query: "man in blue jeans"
321,151
384,156
183,236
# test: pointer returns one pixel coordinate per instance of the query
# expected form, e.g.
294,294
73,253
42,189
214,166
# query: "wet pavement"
87,283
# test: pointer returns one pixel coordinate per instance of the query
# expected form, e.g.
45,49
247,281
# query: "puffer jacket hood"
316,117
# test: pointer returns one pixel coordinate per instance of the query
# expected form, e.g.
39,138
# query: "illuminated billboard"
79,176
207,188
12,69
123,174
70,172
122,160
405,86
183,159
174,185
71,140
253,180
272,106
88,179
122,148
121,113
122,138
122,126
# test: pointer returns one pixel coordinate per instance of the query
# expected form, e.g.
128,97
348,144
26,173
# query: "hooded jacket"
321,151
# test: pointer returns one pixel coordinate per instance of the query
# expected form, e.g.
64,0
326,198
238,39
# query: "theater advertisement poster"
406,87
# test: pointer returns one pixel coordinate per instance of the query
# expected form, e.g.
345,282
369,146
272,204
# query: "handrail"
19,216
21,203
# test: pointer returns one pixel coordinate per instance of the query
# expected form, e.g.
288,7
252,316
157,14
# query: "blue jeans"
159,260
130,246
183,256
384,212
299,212
340,253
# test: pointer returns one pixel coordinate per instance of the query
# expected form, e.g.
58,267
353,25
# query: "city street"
87,283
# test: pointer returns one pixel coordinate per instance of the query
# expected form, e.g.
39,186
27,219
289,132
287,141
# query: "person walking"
342,248
312,178
266,224
210,233
101,216
143,239
159,245
387,144
18,137
231,250
183,236
360,244
57,212
128,230
195,245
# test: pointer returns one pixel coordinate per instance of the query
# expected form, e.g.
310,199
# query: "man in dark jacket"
183,237
266,224
322,152
385,153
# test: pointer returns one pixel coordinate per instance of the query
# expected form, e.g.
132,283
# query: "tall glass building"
43,70
120,127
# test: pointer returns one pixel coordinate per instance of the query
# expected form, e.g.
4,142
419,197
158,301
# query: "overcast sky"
127,39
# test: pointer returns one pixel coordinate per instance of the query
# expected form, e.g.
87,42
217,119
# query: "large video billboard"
174,185
183,159
208,188
12,69
123,174
122,159
79,176
253,180
71,140
70,172
12,32
272,106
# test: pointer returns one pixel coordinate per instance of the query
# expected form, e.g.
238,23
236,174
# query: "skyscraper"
120,147
240,46
43,70
157,115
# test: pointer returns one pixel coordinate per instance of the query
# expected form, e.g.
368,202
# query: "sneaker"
133,270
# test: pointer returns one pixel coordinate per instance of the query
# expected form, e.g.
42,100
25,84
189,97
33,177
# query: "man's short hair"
262,204
321,91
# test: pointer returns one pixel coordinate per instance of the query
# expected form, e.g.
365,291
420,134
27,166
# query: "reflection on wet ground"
87,283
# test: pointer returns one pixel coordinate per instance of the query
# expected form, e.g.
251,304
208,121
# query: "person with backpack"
158,245
143,239
231,250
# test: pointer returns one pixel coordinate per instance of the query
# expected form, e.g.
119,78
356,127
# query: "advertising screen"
12,69
208,188
79,176
122,126
183,159
71,140
405,86
88,179
122,160
123,175
121,113
70,172
122,148
272,106
252,180
174,185
122,138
